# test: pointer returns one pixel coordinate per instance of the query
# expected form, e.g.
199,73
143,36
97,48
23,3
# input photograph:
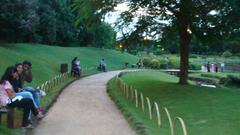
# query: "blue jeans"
35,93
27,94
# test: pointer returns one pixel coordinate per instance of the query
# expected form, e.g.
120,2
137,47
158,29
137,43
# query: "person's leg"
26,94
25,104
35,93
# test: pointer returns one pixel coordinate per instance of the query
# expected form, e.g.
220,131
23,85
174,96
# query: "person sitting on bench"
9,98
17,81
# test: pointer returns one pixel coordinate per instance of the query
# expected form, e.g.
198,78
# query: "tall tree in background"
17,20
92,30
206,19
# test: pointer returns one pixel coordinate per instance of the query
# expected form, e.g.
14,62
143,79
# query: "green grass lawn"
206,111
46,62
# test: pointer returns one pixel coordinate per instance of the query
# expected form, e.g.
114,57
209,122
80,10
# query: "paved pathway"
84,108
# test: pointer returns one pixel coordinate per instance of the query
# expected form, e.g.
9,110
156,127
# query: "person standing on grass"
208,66
222,66
216,67
166,61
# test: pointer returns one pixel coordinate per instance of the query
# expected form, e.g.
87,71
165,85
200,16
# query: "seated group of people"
13,93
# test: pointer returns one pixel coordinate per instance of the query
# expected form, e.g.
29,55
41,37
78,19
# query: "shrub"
234,79
174,63
211,76
194,67
155,64
193,56
227,54
146,62
223,80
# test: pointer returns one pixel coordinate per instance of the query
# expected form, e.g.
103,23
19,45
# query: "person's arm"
28,75
11,93
9,89
15,85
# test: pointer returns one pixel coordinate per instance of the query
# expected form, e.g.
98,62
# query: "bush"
223,80
146,62
174,63
211,76
234,79
194,67
227,54
193,56
155,64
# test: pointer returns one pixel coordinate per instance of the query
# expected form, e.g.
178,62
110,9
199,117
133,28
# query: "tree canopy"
205,19
61,22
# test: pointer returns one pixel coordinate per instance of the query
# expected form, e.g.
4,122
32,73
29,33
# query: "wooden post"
142,101
124,88
158,114
10,118
132,94
149,108
184,129
136,98
42,87
127,88
170,121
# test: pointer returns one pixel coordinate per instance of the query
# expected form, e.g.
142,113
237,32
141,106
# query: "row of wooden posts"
48,85
139,100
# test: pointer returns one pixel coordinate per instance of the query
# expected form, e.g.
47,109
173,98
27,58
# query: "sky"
112,17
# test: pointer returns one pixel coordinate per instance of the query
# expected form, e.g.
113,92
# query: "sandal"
40,115
29,126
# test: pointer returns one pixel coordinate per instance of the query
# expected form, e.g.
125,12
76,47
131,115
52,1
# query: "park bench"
10,116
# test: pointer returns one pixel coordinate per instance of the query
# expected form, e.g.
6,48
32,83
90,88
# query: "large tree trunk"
185,39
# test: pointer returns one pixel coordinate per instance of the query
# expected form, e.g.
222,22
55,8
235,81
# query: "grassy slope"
206,111
47,59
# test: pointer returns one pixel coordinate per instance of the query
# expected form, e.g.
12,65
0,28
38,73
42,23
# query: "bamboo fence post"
142,101
149,108
136,98
127,89
158,114
183,126
170,121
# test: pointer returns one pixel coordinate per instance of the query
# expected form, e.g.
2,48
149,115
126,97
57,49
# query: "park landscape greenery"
196,30
206,111
46,62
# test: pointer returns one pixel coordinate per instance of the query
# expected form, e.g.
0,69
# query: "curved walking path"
84,108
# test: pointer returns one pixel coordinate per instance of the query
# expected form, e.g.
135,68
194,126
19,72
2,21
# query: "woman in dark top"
11,99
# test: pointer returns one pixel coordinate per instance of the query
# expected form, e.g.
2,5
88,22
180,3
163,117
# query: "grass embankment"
206,111
46,62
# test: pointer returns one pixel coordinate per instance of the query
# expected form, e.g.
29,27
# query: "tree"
206,19
92,30
17,20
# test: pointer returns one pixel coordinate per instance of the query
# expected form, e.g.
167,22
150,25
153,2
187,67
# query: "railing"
138,99
46,86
